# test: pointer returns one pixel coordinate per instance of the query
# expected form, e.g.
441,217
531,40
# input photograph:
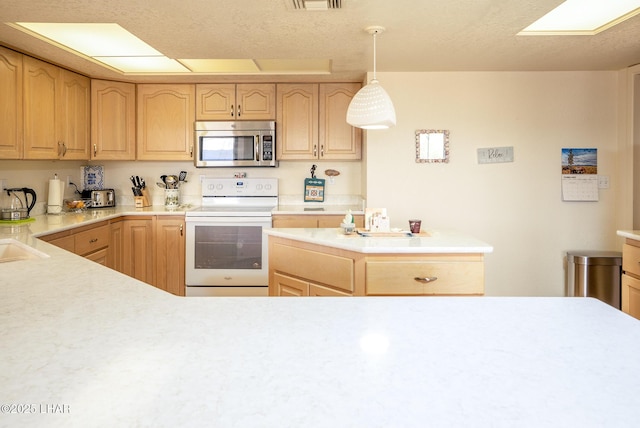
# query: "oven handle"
263,221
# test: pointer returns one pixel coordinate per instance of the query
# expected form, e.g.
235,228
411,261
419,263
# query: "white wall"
516,207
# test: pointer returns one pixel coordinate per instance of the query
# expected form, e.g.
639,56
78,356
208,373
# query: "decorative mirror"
432,145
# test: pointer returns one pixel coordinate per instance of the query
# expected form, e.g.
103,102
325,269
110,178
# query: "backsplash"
290,174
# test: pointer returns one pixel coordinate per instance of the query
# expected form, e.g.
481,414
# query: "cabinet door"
256,102
11,127
40,81
138,251
215,101
74,116
297,121
319,290
116,259
113,120
630,296
100,257
338,139
287,286
165,115
170,247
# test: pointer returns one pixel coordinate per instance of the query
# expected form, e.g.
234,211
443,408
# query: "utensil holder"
142,201
171,198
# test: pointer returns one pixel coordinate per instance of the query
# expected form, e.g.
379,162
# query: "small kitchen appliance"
105,198
226,251
240,143
13,206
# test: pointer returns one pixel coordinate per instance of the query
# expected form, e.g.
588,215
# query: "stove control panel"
239,187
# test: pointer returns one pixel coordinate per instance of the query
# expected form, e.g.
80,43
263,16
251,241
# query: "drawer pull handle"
91,241
426,278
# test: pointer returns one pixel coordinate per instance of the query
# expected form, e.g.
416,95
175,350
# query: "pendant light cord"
375,33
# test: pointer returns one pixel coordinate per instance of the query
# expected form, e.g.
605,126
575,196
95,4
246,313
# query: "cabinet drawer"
630,296
99,256
91,240
398,278
631,259
323,268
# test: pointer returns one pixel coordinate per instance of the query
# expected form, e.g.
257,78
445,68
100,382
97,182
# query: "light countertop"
631,234
431,241
110,351
46,224
105,350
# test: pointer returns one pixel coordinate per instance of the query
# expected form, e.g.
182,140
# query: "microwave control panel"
267,147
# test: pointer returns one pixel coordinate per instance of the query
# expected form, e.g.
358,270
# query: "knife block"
142,201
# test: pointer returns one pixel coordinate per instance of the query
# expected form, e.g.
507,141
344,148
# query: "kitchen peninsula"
326,262
84,345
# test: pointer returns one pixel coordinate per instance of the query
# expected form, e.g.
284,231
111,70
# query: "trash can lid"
607,258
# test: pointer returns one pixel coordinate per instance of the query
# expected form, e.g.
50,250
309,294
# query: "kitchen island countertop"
431,241
631,234
86,346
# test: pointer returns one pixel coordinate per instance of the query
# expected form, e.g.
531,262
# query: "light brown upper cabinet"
311,122
165,117
236,102
11,128
338,139
113,120
56,112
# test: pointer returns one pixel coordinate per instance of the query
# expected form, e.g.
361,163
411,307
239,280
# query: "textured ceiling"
421,35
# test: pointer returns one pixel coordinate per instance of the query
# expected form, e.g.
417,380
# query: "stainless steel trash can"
595,274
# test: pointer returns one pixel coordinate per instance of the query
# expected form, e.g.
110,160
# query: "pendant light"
371,107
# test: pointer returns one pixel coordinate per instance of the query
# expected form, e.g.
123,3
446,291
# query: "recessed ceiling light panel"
92,39
583,17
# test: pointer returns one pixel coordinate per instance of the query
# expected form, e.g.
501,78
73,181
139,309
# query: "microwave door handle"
257,140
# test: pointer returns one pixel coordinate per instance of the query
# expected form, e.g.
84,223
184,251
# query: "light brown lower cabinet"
138,248
91,241
149,248
170,252
304,269
292,287
630,283
313,220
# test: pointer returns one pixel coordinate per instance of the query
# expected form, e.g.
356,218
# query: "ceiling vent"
317,4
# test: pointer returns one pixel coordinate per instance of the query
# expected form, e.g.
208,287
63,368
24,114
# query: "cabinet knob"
426,278
94,240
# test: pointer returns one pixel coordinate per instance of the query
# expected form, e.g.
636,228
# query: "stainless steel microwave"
224,144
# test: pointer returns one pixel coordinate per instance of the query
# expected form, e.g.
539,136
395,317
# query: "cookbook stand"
142,201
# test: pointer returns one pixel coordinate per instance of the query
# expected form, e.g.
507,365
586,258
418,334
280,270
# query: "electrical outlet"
69,181
3,183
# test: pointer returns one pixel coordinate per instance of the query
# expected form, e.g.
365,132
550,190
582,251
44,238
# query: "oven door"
226,252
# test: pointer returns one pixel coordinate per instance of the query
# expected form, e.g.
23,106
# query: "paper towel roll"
54,203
